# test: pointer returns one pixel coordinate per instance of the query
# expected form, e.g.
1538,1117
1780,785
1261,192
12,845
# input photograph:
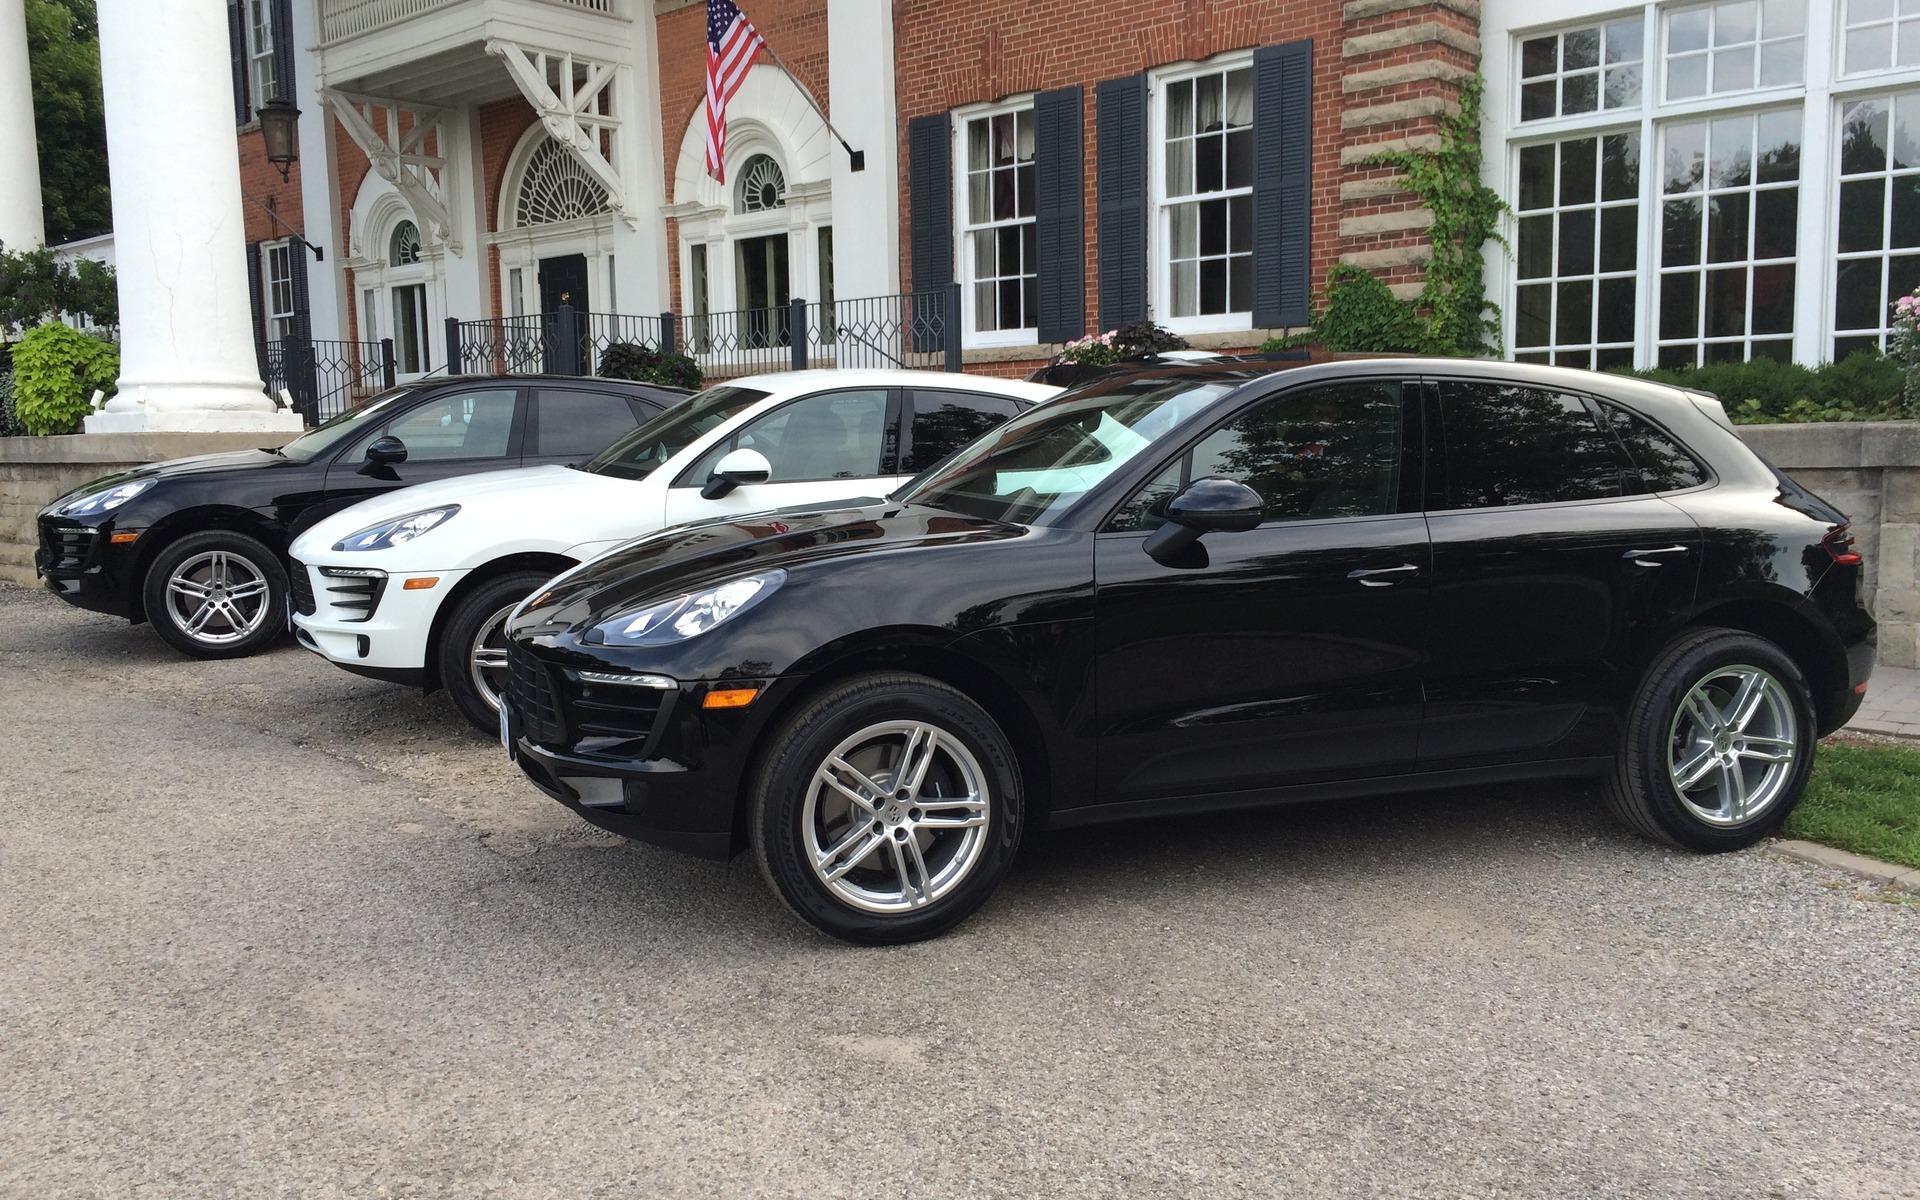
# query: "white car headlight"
104,501
397,532
687,616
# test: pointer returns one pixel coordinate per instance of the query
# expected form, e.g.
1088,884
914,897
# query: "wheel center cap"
1723,743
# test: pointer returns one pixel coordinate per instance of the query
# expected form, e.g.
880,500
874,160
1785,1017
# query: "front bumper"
650,764
387,640
81,564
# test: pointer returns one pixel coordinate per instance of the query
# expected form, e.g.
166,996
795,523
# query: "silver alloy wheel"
218,597
896,817
1733,745
487,657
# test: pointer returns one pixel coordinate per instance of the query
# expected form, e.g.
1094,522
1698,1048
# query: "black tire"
472,616
1664,747
243,617
957,867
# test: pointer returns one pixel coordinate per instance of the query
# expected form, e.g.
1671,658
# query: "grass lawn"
1865,799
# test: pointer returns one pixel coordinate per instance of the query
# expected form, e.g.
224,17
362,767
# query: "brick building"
1071,168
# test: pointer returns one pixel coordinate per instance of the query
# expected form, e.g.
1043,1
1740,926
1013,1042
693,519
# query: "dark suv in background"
197,545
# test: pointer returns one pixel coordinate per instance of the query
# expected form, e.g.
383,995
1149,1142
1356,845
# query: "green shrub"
1363,316
55,372
1864,386
642,364
9,423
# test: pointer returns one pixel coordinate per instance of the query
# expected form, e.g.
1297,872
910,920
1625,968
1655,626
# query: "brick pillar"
1402,63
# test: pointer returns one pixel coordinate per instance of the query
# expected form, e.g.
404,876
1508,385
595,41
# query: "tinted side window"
463,425
1665,465
945,421
1313,455
579,423
834,435
1524,445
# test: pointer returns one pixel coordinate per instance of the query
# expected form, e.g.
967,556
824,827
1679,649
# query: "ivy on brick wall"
1452,314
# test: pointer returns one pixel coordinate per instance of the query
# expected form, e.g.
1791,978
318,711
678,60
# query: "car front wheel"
473,646
217,594
1719,743
887,810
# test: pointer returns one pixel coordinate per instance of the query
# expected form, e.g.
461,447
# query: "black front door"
764,289
1288,654
563,281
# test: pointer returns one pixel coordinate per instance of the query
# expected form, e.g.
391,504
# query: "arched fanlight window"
403,248
762,185
555,188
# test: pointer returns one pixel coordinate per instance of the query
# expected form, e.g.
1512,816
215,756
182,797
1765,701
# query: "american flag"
732,44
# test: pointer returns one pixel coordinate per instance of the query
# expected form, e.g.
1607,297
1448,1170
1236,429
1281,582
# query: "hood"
199,464
679,560
499,495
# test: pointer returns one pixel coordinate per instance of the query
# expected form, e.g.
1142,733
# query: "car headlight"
686,616
104,501
397,532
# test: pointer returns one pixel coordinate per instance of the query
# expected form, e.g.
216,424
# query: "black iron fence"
909,330
325,378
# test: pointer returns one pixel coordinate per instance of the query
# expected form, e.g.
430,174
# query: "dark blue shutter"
257,297
1060,214
283,82
930,213
1121,106
237,45
1282,184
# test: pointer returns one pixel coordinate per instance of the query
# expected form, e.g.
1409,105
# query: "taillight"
1839,544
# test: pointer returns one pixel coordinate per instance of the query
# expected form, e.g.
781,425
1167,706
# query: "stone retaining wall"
1871,470
35,471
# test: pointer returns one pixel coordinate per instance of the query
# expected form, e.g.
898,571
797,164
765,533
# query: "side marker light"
419,583
124,536
729,697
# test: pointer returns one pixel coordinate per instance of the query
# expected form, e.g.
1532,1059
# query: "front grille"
530,690
354,592
615,710
300,587
68,547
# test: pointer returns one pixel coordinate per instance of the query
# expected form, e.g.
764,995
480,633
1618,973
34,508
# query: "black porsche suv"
198,545
1188,590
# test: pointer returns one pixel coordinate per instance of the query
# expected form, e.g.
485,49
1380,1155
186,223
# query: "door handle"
1644,558
1366,578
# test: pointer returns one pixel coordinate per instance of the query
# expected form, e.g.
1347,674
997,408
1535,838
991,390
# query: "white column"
21,225
860,98
186,329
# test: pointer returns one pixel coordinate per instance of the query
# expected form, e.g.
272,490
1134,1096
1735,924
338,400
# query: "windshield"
642,452
346,424
1036,465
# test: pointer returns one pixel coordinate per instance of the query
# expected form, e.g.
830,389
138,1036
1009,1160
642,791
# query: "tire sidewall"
1653,720
159,612
795,755
456,637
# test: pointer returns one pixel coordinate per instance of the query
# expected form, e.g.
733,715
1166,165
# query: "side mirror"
1210,505
382,453
736,468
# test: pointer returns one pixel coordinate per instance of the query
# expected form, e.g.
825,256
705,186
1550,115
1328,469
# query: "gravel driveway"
270,930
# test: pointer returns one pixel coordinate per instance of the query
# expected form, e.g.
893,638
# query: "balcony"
435,50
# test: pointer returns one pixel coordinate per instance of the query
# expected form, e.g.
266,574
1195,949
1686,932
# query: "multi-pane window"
1880,34
260,50
277,262
1581,70
1728,222
1577,251
1735,46
1207,193
1879,223
1001,237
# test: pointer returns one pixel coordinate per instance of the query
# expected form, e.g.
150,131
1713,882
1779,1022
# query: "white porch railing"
341,19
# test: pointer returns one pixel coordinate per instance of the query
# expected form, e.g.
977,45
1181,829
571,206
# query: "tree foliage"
63,46
56,370
36,286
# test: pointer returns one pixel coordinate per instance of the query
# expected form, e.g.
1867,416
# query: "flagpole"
856,159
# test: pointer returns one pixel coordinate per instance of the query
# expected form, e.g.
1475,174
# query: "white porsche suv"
415,586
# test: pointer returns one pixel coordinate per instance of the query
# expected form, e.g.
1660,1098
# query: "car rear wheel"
887,810
473,646
1719,743
217,594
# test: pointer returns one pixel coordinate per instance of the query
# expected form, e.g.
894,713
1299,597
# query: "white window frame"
1895,23
964,228
260,38
276,289
1831,251
1159,216
1601,70
1712,52
1600,274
